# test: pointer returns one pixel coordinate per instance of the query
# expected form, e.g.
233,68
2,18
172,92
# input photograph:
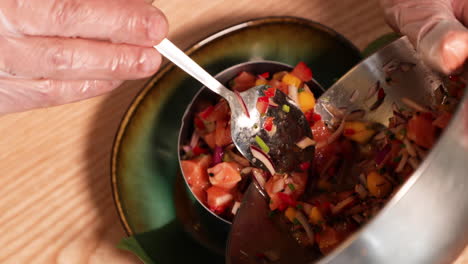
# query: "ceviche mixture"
356,168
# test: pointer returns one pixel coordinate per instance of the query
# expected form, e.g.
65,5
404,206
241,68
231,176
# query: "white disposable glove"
58,51
437,28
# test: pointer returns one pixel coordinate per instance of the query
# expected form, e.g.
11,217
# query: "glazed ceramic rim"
135,104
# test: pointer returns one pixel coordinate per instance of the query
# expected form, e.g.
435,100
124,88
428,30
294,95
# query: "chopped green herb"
402,145
291,186
320,222
388,132
299,206
286,108
300,90
255,126
296,222
388,79
211,174
262,144
403,131
392,137
397,159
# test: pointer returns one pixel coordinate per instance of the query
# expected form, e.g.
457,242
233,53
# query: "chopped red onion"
402,163
292,93
263,158
242,103
333,136
354,96
412,104
382,154
217,155
272,103
373,90
239,159
413,162
409,147
356,114
305,224
235,207
259,177
305,142
194,140
342,205
186,148
278,185
361,191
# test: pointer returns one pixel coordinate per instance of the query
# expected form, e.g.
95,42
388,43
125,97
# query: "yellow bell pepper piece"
358,131
290,213
260,81
290,79
306,101
378,185
315,216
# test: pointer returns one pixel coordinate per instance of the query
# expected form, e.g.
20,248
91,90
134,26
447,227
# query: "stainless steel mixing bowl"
427,220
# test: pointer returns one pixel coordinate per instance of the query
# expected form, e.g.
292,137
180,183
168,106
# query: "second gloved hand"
437,28
59,51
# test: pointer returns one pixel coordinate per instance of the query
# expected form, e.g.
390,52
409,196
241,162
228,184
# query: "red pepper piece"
207,112
263,99
381,94
304,166
268,124
270,92
197,151
316,117
265,75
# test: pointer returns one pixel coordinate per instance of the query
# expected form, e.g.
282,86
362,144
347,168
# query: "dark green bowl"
149,193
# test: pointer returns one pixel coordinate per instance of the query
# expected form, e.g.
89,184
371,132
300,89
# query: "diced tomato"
328,240
265,75
225,175
220,112
207,112
270,92
195,172
219,199
244,81
278,84
262,104
268,124
210,139
223,133
454,78
443,120
302,71
421,131
381,94
300,181
321,132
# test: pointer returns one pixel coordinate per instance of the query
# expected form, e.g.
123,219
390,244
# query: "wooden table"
55,196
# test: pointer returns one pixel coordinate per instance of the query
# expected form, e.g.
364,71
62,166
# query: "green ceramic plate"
144,158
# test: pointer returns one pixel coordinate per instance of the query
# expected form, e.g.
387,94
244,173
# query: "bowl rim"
147,87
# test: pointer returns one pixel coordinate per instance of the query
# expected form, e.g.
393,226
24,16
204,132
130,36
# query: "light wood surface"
55,198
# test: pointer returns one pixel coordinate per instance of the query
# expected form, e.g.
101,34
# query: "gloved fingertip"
149,62
454,51
158,27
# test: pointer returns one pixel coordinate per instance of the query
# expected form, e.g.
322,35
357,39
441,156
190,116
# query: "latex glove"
59,51
435,27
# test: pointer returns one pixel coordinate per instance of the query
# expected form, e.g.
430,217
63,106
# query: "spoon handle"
179,58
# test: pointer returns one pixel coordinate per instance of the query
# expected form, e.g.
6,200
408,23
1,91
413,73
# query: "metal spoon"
246,122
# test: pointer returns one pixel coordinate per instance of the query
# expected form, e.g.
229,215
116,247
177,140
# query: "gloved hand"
435,27
58,51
